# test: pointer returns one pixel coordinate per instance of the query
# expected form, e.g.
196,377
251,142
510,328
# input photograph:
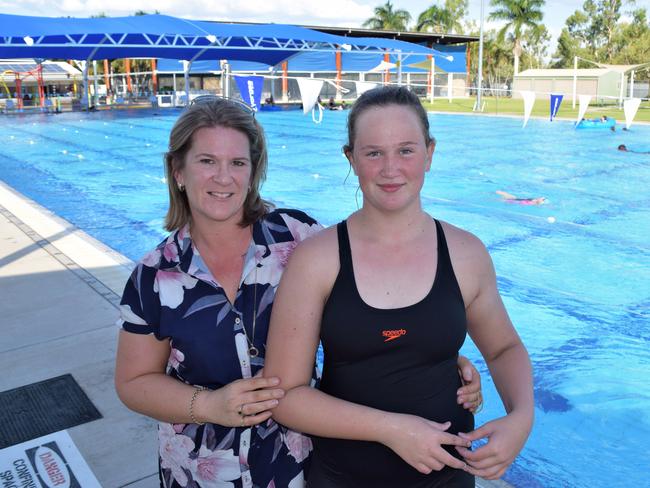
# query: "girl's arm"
509,364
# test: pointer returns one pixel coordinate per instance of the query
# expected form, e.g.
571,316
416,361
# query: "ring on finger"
242,421
240,410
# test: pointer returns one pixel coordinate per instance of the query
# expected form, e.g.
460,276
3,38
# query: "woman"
196,310
392,309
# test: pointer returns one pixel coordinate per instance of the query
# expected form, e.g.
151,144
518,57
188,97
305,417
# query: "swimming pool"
574,273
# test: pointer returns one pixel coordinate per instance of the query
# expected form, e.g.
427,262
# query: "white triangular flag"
364,86
384,65
582,109
629,108
529,101
309,91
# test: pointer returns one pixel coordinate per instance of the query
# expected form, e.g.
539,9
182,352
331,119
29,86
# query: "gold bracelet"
197,389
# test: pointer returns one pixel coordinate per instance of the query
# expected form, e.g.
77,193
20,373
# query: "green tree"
386,18
596,33
443,19
519,15
631,43
535,44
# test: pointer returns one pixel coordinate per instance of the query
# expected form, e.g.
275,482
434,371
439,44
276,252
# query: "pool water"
574,273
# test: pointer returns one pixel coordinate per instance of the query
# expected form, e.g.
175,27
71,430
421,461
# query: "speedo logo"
391,335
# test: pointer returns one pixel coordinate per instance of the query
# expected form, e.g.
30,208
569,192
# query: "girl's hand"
419,442
506,437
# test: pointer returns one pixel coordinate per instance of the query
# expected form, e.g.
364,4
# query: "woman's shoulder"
279,215
167,252
291,224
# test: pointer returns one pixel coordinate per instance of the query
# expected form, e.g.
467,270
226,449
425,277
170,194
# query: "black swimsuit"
397,360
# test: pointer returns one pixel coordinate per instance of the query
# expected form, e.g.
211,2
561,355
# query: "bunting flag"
529,101
364,86
384,65
629,108
556,101
309,91
250,88
582,109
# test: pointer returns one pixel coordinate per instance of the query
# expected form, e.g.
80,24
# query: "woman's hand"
241,403
506,437
469,395
419,443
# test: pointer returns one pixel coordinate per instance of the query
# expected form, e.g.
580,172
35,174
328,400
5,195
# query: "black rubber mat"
43,408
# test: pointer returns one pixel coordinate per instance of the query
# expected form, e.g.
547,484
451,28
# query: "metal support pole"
620,95
174,89
433,78
399,69
575,79
227,86
480,63
186,75
96,94
84,94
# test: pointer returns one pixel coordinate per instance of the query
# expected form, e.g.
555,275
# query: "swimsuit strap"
345,253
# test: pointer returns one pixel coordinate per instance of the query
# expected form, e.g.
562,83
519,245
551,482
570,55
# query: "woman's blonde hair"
215,112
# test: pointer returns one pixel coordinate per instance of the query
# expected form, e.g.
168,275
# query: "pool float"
596,124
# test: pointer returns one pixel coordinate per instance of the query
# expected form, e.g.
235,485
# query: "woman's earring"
181,187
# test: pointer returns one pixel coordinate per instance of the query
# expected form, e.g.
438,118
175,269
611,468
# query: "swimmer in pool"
508,197
623,147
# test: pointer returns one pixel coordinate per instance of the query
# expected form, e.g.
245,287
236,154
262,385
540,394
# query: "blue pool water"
574,273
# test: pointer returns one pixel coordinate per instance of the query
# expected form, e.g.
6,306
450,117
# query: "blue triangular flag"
556,101
250,88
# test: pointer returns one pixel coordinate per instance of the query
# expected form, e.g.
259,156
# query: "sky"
344,13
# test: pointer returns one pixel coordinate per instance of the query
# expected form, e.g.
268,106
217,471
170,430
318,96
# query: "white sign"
51,461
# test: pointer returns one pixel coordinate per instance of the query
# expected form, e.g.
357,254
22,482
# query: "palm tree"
443,19
519,15
388,19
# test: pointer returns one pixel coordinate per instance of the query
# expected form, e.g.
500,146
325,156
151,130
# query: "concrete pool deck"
59,291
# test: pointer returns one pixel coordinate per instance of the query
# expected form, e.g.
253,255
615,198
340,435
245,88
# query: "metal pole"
186,75
96,94
84,97
399,69
620,95
433,77
575,79
174,91
480,63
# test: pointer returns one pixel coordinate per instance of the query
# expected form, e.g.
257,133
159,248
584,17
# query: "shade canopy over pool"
163,36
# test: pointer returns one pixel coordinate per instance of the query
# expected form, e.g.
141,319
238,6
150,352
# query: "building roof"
52,70
562,73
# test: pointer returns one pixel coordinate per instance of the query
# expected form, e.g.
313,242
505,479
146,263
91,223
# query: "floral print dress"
173,295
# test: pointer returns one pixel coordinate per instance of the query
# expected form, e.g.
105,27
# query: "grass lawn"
509,106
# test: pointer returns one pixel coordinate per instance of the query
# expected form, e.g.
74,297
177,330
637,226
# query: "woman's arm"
143,386
291,348
509,364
